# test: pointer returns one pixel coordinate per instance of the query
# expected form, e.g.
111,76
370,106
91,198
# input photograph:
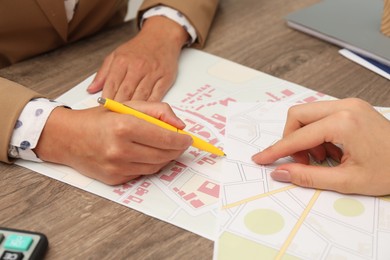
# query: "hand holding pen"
123,109
112,147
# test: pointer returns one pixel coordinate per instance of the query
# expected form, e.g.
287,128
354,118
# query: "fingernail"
281,175
182,122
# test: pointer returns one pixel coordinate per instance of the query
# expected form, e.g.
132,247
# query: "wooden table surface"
81,225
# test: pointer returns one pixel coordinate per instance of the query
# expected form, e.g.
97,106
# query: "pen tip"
101,100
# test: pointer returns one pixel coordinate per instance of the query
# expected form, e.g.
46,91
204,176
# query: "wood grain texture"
80,225
385,24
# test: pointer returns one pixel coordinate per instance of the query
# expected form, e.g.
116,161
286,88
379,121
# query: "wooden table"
80,225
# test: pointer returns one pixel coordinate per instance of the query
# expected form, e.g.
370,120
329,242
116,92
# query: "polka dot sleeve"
28,128
173,15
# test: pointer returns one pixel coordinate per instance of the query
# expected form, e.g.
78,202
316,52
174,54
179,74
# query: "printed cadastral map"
186,192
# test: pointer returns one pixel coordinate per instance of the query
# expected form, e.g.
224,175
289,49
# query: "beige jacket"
41,25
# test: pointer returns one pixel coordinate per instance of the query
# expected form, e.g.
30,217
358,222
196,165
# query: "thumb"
309,176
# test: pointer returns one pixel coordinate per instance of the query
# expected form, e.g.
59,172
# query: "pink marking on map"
274,98
175,170
211,104
217,125
124,187
190,121
198,94
199,107
132,198
287,92
196,203
225,102
169,177
210,188
195,153
141,191
206,160
200,130
204,134
189,196
214,141
219,117
310,99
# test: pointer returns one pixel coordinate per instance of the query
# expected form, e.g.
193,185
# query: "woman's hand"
350,131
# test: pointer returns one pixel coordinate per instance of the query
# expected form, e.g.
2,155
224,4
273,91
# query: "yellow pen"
123,109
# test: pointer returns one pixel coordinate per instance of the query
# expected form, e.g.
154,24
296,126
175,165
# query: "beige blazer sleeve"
44,27
13,98
200,13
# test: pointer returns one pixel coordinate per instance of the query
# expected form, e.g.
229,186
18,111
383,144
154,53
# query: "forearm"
58,136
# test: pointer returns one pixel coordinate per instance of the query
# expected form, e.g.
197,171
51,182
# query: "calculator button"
8,255
18,242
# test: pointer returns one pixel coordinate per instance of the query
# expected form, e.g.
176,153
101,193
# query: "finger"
318,153
145,168
144,88
333,151
318,177
129,85
159,110
126,170
304,114
115,76
155,136
160,89
98,82
151,155
301,157
304,138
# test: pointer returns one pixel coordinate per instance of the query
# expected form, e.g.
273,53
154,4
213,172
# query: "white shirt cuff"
28,128
173,15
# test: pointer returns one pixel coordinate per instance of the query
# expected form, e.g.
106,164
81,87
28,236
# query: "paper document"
275,220
186,192
370,64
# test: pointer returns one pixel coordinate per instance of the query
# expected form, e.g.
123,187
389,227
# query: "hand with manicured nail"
349,131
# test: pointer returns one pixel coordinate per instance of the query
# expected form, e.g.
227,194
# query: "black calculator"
22,245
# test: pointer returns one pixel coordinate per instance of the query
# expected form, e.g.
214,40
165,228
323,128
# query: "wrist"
163,28
55,141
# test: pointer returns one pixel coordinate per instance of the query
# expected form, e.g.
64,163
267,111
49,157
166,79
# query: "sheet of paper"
376,67
274,220
186,192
